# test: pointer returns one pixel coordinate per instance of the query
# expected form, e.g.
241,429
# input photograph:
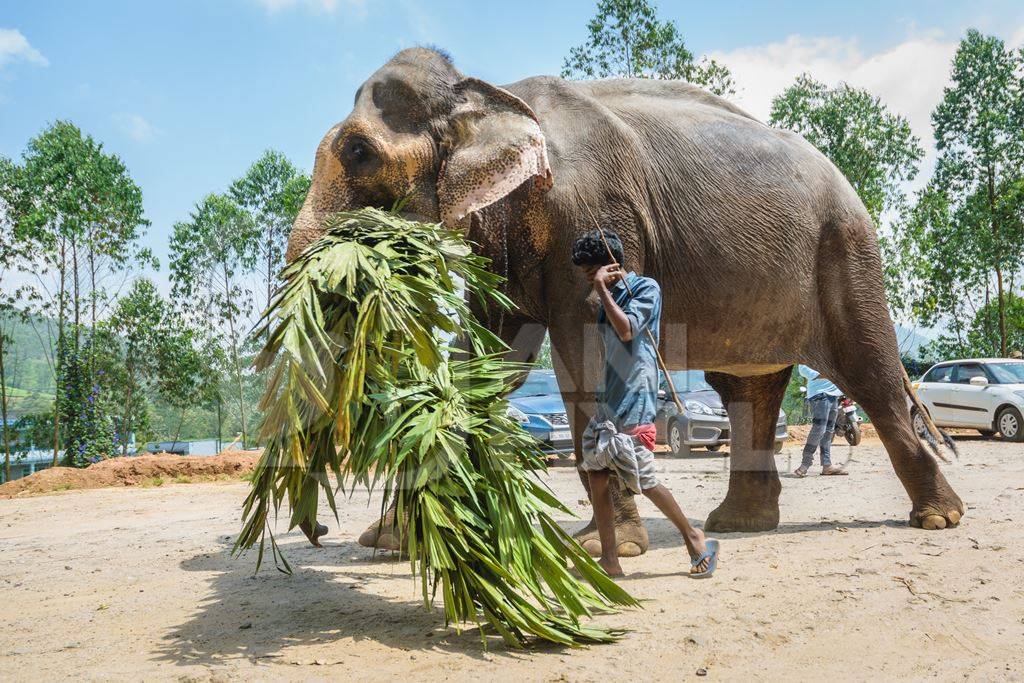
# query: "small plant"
182,479
154,481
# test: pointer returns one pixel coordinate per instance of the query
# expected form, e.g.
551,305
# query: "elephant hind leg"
752,501
864,361
874,380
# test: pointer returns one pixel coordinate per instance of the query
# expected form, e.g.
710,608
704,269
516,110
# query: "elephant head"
421,133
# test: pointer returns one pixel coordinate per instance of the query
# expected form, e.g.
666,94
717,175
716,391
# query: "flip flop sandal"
711,555
800,472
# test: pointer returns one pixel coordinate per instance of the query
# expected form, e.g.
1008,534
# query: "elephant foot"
751,504
383,534
630,535
728,518
941,510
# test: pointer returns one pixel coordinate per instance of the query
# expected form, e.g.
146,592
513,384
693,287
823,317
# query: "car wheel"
1010,424
675,440
920,428
714,447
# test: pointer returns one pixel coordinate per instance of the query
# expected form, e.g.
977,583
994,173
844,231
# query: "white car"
986,394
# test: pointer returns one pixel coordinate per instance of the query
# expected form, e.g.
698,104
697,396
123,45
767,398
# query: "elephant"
765,255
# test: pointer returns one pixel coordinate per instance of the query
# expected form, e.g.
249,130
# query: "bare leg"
578,369
313,532
604,514
693,537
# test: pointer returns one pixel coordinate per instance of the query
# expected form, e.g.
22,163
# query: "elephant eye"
357,150
360,156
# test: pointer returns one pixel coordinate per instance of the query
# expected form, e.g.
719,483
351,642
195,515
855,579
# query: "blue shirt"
629,390
817,385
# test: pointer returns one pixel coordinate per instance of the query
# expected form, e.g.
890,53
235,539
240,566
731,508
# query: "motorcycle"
848,421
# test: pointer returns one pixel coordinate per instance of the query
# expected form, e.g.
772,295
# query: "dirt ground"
139,583
144,470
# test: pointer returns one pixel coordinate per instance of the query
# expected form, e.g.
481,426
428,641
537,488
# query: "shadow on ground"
260,617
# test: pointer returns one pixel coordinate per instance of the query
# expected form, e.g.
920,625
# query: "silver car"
986,394
704,422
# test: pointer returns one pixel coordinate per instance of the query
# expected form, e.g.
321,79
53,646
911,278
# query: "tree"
211,255
11,252
976,337
187,374
134,332
979,134
628,41
272,190
872,146
83,214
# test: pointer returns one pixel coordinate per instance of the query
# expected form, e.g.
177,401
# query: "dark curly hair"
589,249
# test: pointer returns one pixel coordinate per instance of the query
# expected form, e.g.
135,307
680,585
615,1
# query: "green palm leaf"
363,389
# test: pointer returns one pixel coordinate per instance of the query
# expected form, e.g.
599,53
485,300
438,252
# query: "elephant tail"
936,439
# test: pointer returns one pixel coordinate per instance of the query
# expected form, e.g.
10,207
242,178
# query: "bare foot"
696,547
313,534
611,568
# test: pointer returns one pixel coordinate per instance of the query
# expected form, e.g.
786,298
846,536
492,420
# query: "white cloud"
14,46
909,77
136,127
1018,38
328,6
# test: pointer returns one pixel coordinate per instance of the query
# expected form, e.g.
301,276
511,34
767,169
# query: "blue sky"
189,93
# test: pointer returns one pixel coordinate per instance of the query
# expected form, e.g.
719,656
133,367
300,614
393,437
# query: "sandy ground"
139,583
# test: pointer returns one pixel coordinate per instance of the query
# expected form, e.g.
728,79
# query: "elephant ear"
495,146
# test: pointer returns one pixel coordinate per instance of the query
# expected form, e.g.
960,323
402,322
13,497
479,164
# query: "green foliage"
362,388
873,147
965,236
627,40
211,254
31,431
88,431
979,336
79,214
272,191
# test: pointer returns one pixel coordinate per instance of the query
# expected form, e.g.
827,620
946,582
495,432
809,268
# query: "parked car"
537,405
172,447
986,394
704,422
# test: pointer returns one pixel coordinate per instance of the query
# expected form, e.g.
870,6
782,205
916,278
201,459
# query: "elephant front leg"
630,534
752,501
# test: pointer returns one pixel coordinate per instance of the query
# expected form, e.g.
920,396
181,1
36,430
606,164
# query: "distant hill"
27,369
911,340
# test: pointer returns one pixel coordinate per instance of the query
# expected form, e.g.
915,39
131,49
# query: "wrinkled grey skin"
764,253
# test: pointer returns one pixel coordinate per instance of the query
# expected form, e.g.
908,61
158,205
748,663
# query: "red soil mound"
144,470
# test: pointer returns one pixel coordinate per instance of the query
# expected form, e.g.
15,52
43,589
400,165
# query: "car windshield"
687,380
1007,373
537,384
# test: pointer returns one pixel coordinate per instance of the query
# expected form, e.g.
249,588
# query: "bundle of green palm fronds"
364,389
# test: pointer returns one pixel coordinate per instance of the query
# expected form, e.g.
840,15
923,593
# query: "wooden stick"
650,336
